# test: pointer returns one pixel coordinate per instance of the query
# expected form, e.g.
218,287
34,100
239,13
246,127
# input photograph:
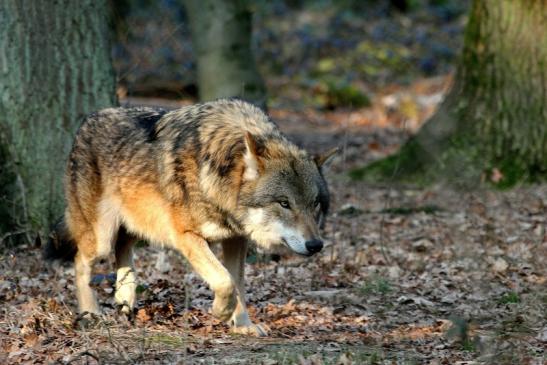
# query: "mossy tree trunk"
493,123
55,67
221,35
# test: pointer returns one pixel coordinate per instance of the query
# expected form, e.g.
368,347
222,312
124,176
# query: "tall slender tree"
55,67
492,125
221,35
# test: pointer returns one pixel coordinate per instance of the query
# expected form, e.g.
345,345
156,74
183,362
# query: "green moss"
406,165
512,171
463,161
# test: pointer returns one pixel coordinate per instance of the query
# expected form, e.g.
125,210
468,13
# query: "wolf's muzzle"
314,246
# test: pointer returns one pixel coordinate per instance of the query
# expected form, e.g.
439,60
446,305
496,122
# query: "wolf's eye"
316,203
285,204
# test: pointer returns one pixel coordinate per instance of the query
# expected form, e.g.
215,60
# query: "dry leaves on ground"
430,276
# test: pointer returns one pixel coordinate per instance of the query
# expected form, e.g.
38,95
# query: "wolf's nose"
314,245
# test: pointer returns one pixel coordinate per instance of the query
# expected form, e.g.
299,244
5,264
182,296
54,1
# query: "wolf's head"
284,197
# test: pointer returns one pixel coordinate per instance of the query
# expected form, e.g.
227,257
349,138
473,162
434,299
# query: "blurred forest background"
436,248
319,54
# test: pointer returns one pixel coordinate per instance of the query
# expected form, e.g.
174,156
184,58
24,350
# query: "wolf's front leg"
126,280
86,297
205,263
235,251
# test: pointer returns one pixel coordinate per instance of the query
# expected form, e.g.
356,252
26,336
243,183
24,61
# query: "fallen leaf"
143,316
500,265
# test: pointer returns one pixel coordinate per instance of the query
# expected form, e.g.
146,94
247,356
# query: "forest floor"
408,276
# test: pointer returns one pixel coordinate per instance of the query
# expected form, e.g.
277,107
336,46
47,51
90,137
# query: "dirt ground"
408,276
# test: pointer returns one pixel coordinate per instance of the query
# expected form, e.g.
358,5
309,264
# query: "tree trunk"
221,36
493,123
55,68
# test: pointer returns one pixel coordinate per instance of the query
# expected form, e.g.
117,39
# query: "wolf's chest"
212,231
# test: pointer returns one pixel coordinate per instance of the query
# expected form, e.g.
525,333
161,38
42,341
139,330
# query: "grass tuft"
508,298
377,285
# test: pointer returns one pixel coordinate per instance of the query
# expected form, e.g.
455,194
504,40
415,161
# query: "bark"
55,67
495,116
221,35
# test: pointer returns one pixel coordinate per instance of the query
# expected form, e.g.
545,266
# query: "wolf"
218,172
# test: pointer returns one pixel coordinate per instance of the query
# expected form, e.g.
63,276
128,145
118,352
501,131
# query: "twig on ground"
78,356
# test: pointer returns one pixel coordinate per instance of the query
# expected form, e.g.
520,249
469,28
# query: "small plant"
141,288
469,345
461,332
508,298
377,285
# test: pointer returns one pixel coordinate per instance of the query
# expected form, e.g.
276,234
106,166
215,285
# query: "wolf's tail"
60,244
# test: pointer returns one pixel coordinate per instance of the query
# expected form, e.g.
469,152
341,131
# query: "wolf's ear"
253,153
325,158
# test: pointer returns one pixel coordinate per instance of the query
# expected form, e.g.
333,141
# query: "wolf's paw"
87,320
124,306
126,310
223,307
258,330
242,324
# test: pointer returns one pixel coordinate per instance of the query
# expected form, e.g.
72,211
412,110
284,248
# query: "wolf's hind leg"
126,284
235,252
203,260
83,266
